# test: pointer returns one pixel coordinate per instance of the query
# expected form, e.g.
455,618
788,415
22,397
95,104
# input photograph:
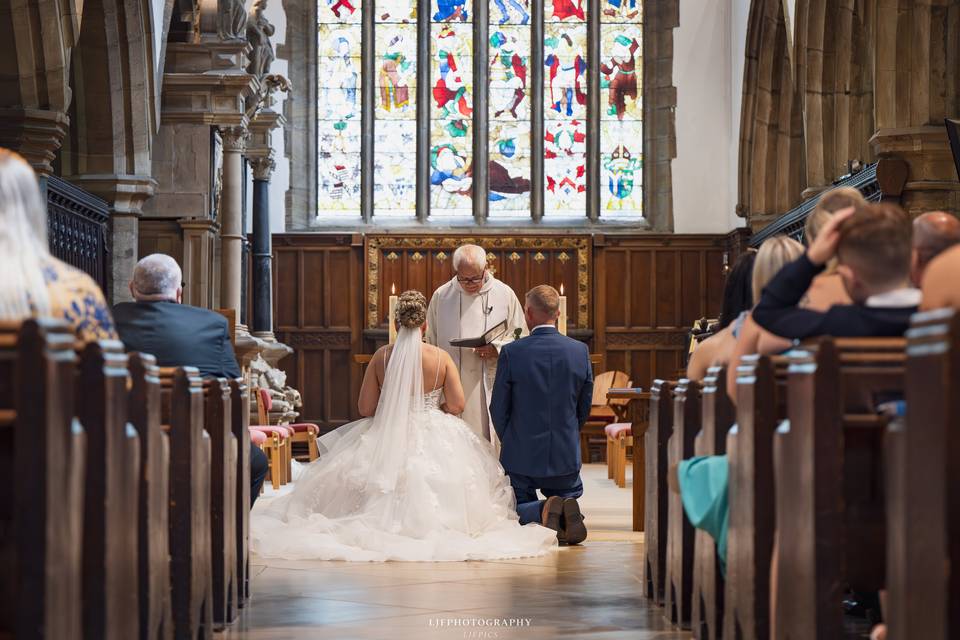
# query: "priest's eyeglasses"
473,280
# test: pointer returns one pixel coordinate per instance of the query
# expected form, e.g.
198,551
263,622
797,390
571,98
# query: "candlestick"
392,314
562,323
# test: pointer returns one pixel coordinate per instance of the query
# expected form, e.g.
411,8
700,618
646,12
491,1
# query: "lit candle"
562,324
392,315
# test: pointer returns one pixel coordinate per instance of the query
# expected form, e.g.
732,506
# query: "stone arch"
34,81
114,108
772,167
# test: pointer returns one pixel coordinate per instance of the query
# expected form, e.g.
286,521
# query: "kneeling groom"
541,398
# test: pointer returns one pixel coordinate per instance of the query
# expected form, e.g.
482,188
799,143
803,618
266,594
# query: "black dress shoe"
574,531
552,510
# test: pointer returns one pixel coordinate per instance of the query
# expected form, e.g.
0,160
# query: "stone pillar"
932,181
125,194
231,217
199,244
262,321
36,134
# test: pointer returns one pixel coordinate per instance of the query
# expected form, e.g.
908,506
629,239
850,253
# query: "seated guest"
180,335
32,282
737,301
177,334
774,253
827,289
940,281
933,233
873,247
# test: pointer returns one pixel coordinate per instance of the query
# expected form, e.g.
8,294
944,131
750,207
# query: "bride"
409,482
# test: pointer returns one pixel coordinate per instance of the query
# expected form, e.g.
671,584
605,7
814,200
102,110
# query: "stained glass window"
621,104
451,108
442,125
395,143
565,112
508,106
338,106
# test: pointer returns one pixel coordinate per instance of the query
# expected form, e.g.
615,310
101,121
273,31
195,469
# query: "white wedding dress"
411,483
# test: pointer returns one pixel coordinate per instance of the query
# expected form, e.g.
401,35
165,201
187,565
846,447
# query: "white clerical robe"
454,313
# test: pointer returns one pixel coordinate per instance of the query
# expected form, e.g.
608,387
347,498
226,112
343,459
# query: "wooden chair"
218,424
761,404
240,423
619,449
191,584
655,484
303,432
42,464
156,616
829,470
923,559
110,520
717,413
678,584
601,411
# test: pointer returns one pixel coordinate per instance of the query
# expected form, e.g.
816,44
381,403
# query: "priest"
472,302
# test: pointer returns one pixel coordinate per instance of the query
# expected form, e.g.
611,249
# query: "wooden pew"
679,568
156,621
218,423
923,499
637,412
111,519
707,596
829,470
655,482
42,461
190,540
240,422
761,403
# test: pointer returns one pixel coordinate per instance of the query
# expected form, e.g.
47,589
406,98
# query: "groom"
541,398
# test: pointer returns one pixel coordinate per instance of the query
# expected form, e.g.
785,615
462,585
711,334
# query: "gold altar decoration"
379,246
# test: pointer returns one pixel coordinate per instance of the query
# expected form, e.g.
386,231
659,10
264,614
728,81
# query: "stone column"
231,225
262,321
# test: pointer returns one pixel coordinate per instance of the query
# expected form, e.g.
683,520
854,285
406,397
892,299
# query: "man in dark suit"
179,334
541,398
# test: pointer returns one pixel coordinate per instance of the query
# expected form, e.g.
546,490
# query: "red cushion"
302,427
257,437
265,400
280,431
618,429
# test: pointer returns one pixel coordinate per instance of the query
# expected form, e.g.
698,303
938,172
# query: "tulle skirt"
451,501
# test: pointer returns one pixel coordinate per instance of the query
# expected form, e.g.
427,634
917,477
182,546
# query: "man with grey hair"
177,334
465,307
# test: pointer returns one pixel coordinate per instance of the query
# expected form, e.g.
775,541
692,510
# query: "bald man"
933,233
940,281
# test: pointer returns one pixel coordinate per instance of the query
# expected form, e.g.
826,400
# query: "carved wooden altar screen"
426,262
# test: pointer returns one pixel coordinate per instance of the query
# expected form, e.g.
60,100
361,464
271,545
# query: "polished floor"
590,592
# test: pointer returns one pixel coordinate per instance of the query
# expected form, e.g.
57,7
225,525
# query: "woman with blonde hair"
773,254
32,282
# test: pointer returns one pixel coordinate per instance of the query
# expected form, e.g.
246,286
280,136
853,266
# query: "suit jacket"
541,398
178,335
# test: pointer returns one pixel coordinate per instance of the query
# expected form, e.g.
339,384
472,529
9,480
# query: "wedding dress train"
411,483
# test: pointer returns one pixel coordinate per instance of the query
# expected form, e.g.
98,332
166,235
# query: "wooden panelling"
633,298
317,311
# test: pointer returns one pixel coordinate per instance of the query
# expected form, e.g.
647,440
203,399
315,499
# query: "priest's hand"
487,352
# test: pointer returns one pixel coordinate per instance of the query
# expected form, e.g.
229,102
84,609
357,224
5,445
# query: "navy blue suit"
178,335
541,398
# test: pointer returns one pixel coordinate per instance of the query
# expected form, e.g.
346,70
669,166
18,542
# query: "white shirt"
541,326
905,297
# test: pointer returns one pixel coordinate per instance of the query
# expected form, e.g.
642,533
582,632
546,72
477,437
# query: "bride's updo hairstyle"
411,309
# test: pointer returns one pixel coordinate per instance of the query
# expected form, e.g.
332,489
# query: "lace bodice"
432,400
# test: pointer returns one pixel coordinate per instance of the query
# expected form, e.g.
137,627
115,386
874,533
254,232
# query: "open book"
488,336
